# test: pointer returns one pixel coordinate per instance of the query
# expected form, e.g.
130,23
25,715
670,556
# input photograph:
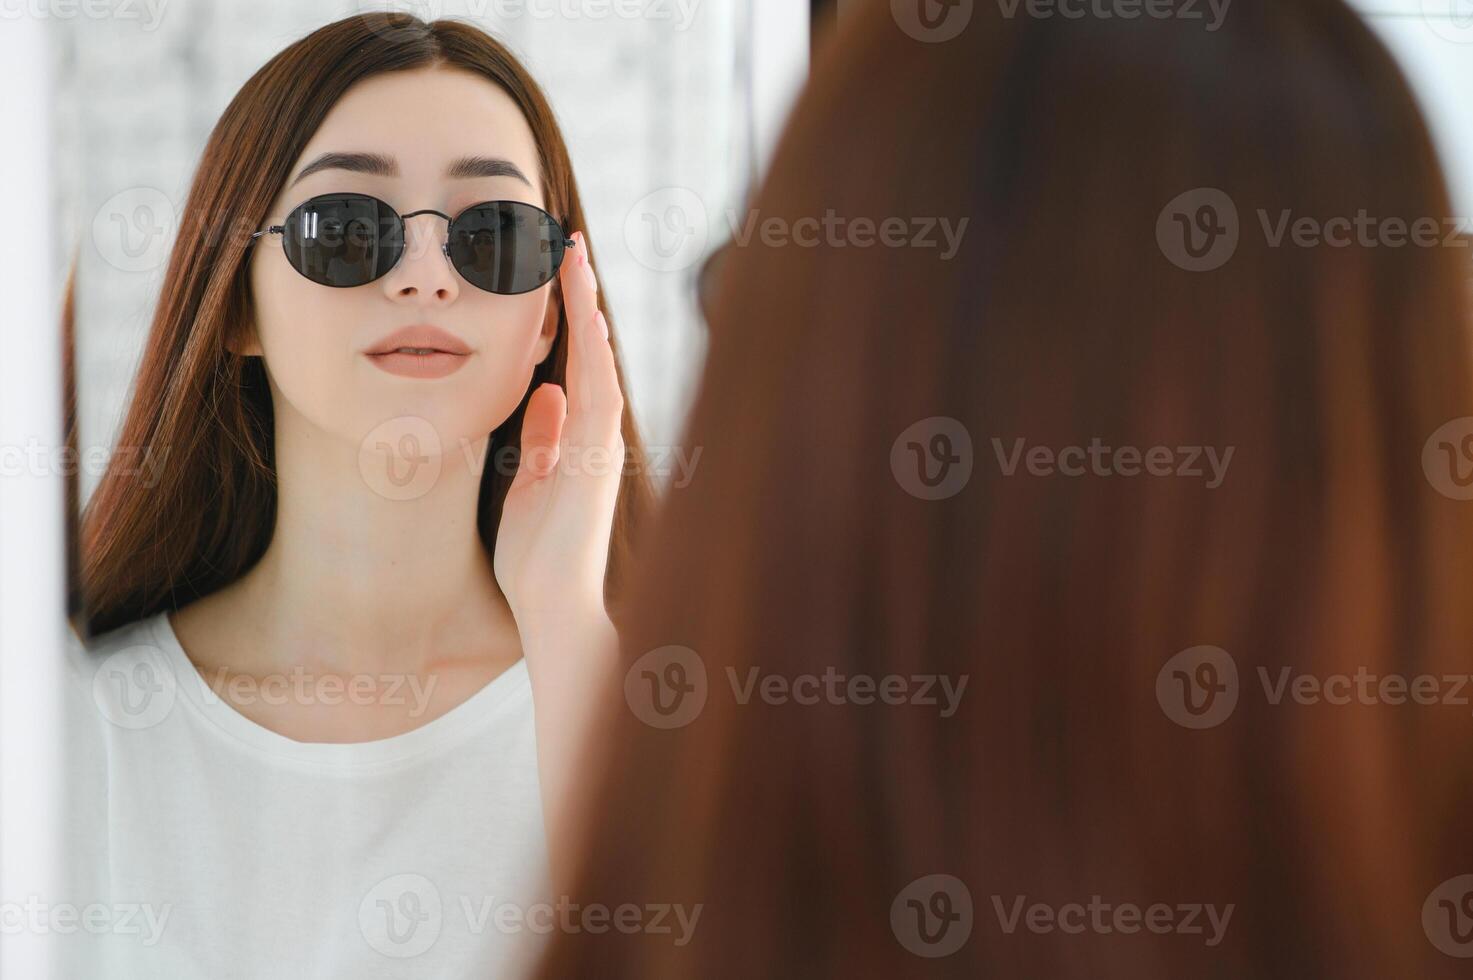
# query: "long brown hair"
808,542
207,412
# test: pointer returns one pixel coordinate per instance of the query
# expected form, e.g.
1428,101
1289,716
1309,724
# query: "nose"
424,272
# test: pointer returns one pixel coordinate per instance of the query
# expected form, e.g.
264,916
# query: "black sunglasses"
343,240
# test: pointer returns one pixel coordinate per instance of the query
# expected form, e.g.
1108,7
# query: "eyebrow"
380,165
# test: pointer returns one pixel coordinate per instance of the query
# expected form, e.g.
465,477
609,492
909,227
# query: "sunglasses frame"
567,242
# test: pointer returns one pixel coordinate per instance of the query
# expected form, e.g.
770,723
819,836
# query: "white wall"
1433,41
31,558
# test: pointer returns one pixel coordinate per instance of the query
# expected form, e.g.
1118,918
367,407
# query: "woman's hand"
552,550
553,543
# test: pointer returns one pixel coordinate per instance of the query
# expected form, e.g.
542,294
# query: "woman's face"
314,338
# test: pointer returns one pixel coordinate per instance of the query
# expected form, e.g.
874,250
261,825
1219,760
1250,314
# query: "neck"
374,561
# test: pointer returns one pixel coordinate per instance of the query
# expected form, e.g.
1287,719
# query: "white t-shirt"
201,844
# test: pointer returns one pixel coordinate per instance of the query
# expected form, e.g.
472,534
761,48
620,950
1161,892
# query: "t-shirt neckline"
477,710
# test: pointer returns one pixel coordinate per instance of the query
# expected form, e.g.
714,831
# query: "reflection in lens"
343,239
506,246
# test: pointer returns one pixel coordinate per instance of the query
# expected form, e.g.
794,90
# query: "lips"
419,351
422,340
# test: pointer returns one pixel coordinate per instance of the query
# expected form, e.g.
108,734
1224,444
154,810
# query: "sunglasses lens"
343,239
506,246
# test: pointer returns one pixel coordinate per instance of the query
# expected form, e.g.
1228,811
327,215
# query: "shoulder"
84,657
125,653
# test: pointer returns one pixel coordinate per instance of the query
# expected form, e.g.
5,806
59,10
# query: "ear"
549,322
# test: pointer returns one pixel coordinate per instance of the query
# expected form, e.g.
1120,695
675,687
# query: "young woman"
383,518
1068,816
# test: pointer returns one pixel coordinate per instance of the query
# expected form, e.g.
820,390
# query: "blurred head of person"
1014,621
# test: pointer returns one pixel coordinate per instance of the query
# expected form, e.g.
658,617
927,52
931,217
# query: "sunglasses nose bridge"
404,223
